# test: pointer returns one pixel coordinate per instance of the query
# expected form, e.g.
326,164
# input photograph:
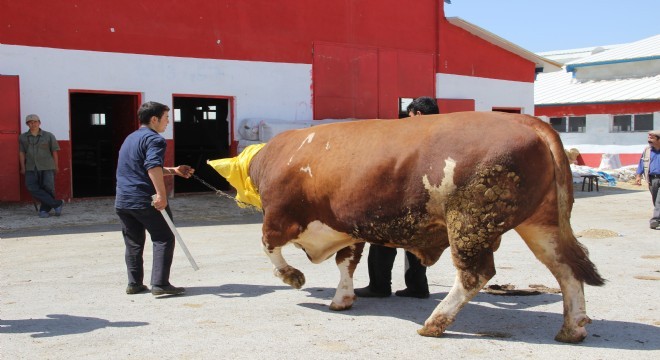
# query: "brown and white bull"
425,184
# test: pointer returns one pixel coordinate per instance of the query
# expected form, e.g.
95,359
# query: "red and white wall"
264,56
598,139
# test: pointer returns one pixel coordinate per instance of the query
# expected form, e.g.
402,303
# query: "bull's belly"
320,241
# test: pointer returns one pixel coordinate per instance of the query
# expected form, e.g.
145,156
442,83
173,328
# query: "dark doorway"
99,124
508,110
201,132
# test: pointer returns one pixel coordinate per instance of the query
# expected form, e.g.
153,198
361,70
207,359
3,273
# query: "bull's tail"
577,256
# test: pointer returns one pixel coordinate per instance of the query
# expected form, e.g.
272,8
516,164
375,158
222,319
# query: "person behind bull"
140,173
649,166
39,162
381,258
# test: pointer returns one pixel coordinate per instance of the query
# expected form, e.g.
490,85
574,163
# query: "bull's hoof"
291,276
340,307
432,331
345,304
573,334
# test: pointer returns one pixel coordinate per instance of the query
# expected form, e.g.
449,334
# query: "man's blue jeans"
41,184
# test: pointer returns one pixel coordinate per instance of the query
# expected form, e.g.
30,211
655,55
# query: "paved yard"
62,294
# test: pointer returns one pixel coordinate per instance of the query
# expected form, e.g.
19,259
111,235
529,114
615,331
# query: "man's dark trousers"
134,223
380,262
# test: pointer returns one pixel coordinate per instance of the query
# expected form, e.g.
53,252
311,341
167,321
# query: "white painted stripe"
263,90
487,93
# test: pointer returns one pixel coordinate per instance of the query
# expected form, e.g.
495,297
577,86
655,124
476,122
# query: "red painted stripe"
276,31
608,108
593,159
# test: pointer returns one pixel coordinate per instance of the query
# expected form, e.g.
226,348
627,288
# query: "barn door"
10,128
345,81
351,81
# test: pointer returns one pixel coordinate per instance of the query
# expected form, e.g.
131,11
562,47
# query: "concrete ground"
62,284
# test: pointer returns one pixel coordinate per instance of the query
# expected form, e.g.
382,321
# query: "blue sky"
562,24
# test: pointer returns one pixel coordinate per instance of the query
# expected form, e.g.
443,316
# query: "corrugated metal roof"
642,49
568,55
547,64
561,87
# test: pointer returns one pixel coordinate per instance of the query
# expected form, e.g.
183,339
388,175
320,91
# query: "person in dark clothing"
649,167
381,258
141,194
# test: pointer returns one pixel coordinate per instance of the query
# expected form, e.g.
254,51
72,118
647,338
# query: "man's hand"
184,171
159,202
638,180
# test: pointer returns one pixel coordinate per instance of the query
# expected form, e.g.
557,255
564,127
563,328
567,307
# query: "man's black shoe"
136,289
167,290
654,224
410,293
367,292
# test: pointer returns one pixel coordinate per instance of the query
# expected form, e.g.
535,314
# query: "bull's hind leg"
347,260
283,270
544,242
471,276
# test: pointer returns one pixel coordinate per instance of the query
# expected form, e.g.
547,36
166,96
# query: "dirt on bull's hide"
486,206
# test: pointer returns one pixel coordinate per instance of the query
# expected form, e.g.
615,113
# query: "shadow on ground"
60,325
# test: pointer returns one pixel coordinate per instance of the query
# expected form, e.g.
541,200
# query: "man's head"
654,138
33,122
155,115
424,105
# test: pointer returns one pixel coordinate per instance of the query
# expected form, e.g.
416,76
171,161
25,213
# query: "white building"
605,100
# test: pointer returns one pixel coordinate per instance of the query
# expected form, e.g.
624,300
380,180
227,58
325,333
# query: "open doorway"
511,110
201,132
99,124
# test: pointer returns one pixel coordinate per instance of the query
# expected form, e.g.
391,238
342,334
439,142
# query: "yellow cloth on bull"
235,170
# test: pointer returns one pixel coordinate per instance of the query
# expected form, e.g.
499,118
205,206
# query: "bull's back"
368,170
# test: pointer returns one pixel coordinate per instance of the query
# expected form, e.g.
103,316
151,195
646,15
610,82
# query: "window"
577,124
177,115
632,123
621,123
403,107
209,114
570,124
643,122
98,119
558,123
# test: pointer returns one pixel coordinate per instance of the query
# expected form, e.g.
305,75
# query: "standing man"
381,258
140,173
37,153
649,165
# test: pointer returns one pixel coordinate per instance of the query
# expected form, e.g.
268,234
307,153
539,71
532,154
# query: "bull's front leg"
347,260
283,270
467,284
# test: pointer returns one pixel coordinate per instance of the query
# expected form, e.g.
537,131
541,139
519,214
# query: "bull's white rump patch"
438,194
447,185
